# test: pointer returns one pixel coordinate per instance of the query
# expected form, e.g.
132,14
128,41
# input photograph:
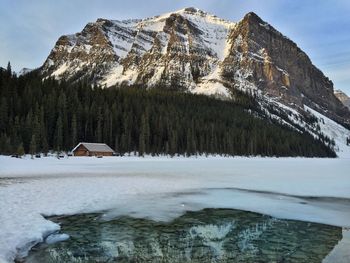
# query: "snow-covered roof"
94,147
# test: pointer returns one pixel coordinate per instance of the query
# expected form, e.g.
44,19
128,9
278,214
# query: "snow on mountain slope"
299,121
335,131
212,88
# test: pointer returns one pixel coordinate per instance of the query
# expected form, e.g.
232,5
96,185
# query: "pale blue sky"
29,29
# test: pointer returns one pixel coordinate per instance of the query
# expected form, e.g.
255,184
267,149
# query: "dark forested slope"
38,116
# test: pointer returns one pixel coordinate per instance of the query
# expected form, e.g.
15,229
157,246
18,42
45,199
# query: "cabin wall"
101,153
81,151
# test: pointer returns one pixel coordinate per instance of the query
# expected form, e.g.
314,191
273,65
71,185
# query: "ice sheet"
162,188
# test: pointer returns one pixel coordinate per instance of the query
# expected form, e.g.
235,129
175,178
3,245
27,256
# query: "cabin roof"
94,147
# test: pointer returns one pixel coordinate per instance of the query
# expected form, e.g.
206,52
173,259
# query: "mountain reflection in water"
209,235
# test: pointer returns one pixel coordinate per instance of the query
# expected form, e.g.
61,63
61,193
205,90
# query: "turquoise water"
210,235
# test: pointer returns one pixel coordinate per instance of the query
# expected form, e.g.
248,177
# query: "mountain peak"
188,11
253,18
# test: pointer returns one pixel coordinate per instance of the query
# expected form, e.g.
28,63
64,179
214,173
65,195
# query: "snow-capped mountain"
345,99
197,52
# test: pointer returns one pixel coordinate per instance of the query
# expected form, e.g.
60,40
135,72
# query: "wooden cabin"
92,149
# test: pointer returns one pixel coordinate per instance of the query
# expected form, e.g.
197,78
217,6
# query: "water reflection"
210,235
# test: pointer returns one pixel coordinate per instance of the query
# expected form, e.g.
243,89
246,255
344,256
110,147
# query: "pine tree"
5,144
124,144
44,146
116,144
62,109
189,150
9,69
20,150
27,131
59,134
74,131
142,143
98,136
146,130
3,114
143,135
36,131
173,143
32,147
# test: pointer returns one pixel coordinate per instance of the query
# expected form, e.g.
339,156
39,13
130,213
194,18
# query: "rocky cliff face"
197,52
345,99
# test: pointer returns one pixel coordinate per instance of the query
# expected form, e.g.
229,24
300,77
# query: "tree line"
43,115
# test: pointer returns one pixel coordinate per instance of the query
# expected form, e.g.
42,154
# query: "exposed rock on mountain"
345,99
194,51
261,57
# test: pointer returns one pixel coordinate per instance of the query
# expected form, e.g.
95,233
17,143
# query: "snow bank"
162,188
54,238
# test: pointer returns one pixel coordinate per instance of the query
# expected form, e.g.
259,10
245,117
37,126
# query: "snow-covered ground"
162,188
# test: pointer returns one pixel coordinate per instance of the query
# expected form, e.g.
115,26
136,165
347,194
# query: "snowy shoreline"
163,188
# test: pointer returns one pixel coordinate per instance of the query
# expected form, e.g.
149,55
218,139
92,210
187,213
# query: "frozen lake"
209,235
162,189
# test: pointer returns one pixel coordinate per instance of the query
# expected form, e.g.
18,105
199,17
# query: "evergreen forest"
38,116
